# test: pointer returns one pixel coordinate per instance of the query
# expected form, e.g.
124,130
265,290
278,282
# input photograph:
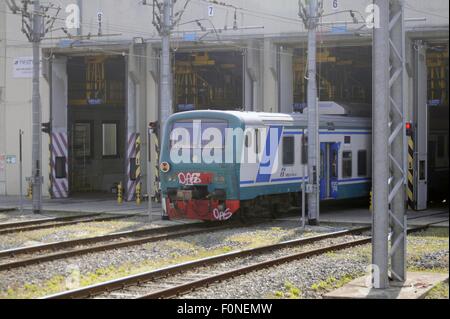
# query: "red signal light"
409,129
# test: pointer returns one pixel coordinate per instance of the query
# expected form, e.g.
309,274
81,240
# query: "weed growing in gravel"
439,292
332,283
290,292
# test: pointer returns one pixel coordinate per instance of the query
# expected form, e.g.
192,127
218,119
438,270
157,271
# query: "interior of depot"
344,75
438,106
208,80
96,123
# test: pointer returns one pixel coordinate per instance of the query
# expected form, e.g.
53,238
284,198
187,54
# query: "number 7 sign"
211,11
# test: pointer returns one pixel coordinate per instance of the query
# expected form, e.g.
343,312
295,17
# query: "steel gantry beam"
389,144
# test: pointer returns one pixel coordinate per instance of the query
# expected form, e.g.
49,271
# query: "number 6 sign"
335,4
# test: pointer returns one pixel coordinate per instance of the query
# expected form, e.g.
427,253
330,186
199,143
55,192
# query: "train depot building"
100,86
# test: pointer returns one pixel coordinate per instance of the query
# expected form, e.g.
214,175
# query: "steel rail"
106,247
63,223
171,270
90,240
190,286
183,288
43,221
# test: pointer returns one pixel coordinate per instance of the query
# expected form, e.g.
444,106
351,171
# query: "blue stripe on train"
345,191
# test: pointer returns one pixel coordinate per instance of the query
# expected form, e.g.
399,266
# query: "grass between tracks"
178,251
428,251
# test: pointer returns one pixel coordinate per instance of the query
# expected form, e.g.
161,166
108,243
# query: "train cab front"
196,183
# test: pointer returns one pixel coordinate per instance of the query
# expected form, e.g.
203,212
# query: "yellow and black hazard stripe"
156,166
138,169
138,158
410,188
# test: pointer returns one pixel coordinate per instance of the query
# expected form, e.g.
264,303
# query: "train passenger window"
304,149
288,150
109,131
347,164
257,141
362,163
347,140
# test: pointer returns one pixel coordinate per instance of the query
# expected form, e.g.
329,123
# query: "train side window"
257,141
247,141
347,140
362,163
347,164
288,150
304,149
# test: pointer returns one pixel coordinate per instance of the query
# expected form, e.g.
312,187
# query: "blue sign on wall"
190,37
339,29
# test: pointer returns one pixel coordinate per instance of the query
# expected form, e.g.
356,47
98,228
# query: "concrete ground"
358,216
350,212
417,286
83,205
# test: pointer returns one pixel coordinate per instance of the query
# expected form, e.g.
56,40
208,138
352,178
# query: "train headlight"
165,167
172,178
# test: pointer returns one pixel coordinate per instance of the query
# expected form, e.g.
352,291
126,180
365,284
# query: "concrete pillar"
286,80
2,97
59,91
59,143
152,110
253,77
270,86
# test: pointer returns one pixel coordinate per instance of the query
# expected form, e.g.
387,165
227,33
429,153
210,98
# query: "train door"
329,153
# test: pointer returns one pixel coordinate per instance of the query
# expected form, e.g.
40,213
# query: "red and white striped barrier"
59,185
133,152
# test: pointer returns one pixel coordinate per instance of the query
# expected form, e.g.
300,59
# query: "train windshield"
195,134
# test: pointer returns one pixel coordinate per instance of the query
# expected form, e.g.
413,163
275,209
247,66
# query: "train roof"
294,119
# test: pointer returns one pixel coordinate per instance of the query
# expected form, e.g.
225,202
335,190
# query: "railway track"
180,279
11,259
428,215
38,224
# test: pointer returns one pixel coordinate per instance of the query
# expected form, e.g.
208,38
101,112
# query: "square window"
109,139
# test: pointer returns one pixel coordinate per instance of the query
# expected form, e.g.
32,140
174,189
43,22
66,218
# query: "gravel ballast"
314,277
48,277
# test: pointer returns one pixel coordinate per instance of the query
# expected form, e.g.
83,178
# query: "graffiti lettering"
222,215
189,179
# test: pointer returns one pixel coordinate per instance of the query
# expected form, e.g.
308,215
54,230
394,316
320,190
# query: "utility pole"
36,157
164,21
35,25
166,65
389,145
310,15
